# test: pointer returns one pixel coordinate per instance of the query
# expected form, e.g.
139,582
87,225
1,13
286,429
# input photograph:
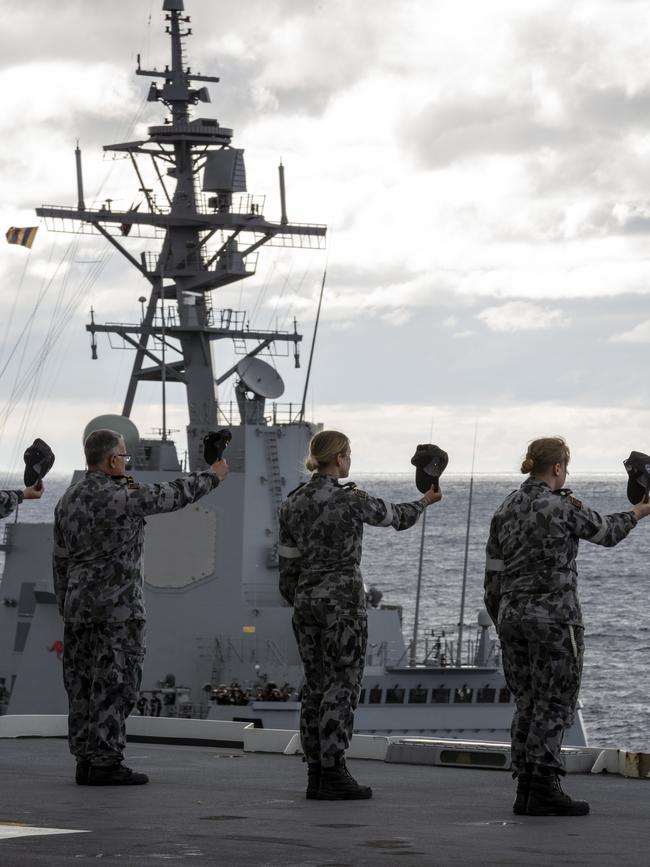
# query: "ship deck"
220,806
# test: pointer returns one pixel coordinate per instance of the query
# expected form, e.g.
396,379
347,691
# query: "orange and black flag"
24,237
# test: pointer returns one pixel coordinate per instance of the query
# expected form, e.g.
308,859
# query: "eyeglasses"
119,455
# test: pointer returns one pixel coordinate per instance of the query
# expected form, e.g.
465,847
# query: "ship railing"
275,414
226,317
73,225
180,710
286,239
208,260
442,652
243,204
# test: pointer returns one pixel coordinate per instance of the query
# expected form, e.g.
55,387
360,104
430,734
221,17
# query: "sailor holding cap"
321,530
38,461
98,542
10,500
531,595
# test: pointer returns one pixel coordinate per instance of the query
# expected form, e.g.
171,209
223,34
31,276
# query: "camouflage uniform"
531,595
98,581
321,530
9,500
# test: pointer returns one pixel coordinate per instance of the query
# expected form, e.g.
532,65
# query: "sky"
484,172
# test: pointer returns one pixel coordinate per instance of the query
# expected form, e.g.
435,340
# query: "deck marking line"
9,831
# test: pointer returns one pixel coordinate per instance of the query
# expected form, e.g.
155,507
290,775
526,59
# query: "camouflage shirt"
530,570
8,502
98,541
321,530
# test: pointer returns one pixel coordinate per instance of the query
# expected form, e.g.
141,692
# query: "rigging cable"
469,518
57,323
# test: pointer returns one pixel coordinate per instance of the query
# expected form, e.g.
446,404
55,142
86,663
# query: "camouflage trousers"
102,671
332,642
542,663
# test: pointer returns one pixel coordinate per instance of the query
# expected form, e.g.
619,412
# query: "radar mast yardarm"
190,219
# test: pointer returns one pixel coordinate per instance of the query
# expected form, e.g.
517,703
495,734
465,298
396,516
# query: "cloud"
383,436
639,334
523,316
513,192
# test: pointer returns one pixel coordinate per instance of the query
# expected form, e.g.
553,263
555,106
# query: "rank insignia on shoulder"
361,493
131,484
575,501
349,486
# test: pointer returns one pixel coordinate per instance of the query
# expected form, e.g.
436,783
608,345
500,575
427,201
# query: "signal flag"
24,237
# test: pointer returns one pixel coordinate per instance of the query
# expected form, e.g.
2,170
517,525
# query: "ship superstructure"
217,625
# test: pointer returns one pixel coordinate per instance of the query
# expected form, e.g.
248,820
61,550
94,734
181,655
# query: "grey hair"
98,446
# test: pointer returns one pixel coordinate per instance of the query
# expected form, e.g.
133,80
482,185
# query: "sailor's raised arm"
379,513
605,530
9,500
161,497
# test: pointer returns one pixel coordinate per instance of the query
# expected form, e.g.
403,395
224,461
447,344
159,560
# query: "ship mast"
210,229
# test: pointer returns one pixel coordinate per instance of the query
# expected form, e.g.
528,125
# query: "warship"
220,644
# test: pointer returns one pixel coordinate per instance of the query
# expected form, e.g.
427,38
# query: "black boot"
523,788
546,798
313,779
115,775
81,773
338,784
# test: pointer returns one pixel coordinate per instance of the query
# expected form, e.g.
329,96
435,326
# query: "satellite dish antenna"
118,423
260,378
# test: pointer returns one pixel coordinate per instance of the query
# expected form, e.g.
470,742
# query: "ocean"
613,583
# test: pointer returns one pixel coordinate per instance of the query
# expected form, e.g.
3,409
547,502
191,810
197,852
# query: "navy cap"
430,462
638,471
39,459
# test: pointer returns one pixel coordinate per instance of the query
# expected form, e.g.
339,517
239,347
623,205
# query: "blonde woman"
321,530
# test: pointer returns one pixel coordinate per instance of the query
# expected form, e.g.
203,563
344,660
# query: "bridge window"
440,695
375,695
486,695
504,695
418,695
463,695
395,695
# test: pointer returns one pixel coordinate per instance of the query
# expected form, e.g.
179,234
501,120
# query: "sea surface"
614,588
614,585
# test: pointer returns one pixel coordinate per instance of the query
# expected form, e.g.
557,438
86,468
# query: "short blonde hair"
324,447
544,453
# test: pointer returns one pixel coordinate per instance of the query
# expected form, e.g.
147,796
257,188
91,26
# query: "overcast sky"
484,171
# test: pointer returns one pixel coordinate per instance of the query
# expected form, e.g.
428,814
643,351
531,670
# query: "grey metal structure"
215,615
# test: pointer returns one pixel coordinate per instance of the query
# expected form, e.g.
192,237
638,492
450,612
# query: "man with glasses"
98,580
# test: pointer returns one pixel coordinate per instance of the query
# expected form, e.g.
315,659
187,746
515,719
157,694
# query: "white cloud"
467,333
523,316
384,436
510,191
639,334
